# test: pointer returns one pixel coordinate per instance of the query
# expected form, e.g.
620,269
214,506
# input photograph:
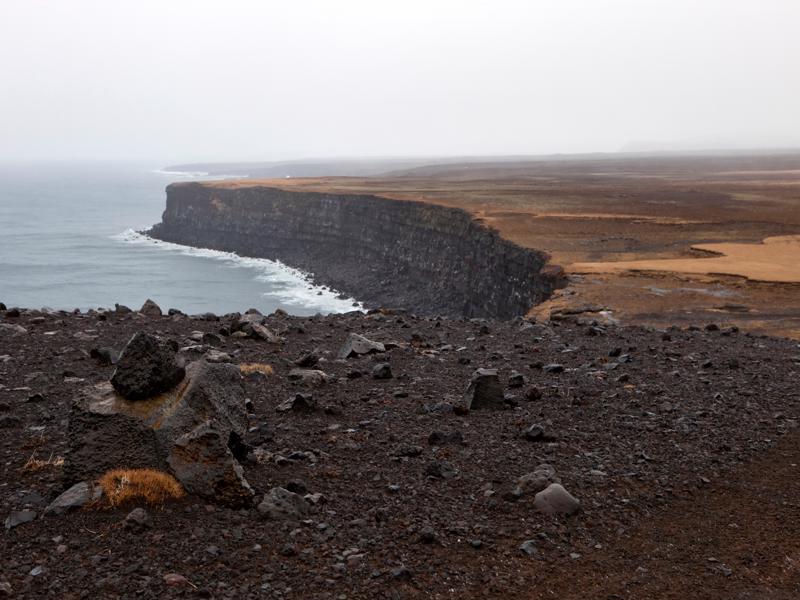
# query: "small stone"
138,520
529,548
534,433
441,438
402,573
357,345
78,496
280,503
19,517
533,393
553,368
554,499
175,579
382,371
541,477
427,535
516,379
408,450
303,403
440,470
309,377
260,331
104,356
216,356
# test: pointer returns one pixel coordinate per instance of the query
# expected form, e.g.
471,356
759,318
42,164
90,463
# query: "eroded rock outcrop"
191,423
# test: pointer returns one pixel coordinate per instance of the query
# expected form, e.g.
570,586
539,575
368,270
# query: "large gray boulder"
147,366
484,391
108,431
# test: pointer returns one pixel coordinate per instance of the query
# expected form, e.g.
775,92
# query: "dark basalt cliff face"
429,259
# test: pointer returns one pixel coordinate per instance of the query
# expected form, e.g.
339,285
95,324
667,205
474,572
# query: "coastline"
425,258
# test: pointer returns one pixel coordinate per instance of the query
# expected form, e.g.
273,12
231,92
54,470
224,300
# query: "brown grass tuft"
154,487
33,464
250,368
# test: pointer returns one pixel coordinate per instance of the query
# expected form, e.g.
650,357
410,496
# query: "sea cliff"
425,258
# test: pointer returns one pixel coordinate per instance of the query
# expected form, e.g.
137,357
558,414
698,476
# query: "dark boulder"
151,309
484,391
147,366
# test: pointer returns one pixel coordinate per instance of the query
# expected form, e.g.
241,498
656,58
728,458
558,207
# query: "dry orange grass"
154,487
250,368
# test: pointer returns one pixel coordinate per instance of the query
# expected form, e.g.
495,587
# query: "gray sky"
202,80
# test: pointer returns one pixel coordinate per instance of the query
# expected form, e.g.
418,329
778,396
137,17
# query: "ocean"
68,239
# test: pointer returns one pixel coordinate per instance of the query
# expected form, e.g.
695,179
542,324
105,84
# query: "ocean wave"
286,285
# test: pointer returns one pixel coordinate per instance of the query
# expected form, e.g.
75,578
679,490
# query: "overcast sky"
236,80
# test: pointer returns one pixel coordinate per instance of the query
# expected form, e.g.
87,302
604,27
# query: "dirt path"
735,540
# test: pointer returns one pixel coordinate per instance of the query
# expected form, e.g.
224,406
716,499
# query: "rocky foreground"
419,458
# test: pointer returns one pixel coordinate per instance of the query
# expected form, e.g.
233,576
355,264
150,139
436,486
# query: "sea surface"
68,239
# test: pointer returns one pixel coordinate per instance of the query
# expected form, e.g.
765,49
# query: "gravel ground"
634,421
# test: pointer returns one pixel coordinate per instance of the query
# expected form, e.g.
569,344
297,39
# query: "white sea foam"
286,285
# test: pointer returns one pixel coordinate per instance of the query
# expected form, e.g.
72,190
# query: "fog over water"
235,80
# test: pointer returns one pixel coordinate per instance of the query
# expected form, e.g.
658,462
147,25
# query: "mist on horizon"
203,81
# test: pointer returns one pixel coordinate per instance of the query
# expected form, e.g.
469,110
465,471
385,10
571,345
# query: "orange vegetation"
250,368
151,486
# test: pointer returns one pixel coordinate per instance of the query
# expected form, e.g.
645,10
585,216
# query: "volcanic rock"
151,309
440,469
19,517
78,496
554,499
310,377
541,477
137,520
516,379
356,345
147,366
299,403
203,463
441,438
484,391
104,356
11,329
382,371
280,503
192,422
260,331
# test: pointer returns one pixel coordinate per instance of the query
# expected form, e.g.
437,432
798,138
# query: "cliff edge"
426,258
